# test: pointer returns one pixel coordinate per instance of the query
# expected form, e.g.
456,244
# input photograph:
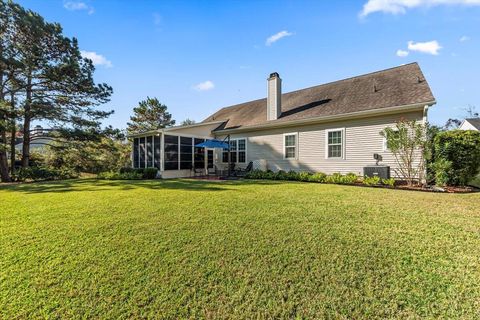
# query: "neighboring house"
334,127
470,124
38,140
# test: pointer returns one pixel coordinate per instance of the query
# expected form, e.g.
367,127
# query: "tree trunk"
4,176
26,125
13,131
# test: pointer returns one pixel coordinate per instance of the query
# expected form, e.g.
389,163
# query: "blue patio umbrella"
213,143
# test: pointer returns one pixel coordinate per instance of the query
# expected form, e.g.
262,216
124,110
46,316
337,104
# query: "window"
385,144
238,151
290,145
233,151
242,150
171,152
335,143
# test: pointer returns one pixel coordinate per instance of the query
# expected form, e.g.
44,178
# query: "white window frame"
327,131
296,145
384,142
237,151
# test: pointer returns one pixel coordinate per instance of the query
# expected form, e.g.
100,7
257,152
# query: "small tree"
409,145
187,122
149,115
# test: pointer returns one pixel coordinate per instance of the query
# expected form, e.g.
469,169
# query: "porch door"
209,158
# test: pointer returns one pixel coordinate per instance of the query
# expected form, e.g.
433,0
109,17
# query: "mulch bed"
401,185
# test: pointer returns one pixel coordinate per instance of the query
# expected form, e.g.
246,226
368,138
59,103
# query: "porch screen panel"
149,152
186,151
142,153
199,154
156,151
171,152
135,152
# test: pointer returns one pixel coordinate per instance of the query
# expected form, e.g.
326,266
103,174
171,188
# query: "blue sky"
198,56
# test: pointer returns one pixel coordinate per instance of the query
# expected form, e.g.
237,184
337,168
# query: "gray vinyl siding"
362,140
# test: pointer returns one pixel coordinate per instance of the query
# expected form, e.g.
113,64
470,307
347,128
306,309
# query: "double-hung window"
290,141
242,150
238,151
335,141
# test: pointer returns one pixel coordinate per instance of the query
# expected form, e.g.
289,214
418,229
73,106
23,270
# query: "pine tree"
54,82
149,115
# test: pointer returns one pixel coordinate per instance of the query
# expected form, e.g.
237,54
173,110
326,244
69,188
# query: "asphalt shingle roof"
403,85
474,122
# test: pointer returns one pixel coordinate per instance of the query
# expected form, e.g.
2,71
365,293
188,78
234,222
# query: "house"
38,140
470,124
333,127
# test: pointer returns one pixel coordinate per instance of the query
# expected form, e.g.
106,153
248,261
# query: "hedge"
319,177
457,156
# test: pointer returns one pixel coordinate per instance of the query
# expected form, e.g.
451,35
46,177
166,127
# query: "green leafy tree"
409,144
89,151
149,115
187,122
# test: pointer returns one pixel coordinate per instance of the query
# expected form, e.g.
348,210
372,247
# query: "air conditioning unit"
377,170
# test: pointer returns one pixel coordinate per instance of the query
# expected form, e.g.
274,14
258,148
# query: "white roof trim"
153,132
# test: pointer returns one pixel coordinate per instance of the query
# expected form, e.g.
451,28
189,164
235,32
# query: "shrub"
292,175
44,174
269,175
371,181
334,178
462,149
389,182
304,176
255,174
442,171
126,169
350,178
318,177
139,170
150,173
120,176
280,175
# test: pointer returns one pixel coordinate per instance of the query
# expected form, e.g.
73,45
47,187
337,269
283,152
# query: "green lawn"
246,249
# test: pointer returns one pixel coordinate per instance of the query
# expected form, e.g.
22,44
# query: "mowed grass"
244,249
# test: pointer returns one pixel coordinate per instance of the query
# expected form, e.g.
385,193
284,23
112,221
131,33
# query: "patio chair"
196,170
243,172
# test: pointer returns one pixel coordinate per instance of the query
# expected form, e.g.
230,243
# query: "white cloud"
78,5
402,53
401,6
97,59
277,36
204,86
429,47
464,38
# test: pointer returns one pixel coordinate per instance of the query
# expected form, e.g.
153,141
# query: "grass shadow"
90,185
